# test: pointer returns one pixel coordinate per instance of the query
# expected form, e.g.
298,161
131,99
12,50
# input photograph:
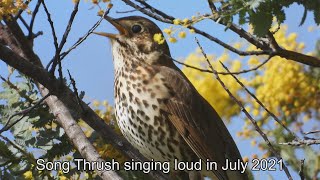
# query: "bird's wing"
198,123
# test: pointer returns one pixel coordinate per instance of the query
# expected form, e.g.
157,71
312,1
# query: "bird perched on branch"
157,108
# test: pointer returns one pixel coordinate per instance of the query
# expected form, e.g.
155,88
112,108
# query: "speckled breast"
140,97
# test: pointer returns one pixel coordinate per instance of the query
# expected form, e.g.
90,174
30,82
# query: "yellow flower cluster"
169,32
209,87
181,33
96,3
11,7
158,38
28,175
107,150
285,86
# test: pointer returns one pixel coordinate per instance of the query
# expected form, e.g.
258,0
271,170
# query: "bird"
157,108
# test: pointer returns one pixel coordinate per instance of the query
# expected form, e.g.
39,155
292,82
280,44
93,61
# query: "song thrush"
157,108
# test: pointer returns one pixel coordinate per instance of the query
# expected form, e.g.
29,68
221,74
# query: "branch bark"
29,59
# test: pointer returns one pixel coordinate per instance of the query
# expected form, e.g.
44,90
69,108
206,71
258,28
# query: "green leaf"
255,3
242,17
281,16
261,22
5,153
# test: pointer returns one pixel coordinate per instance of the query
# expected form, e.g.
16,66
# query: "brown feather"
198,123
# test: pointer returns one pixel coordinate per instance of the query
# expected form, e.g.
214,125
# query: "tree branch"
304,142
75,89
53,31
222,73
68,28
253,121
83,38
33,18
261,104
266,47
64,117
301,172
312,132
67,97
161,16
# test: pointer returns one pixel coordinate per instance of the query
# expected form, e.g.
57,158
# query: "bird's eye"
136,28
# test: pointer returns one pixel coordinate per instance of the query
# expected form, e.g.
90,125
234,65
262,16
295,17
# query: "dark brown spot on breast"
141,131
145,82
131,110
145,103
170,147
156,120
154,107
137,100
132,77
130,96
150,130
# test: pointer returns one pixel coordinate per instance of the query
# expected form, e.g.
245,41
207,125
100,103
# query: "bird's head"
135,41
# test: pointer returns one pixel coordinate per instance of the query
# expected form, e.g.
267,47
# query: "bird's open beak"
119,27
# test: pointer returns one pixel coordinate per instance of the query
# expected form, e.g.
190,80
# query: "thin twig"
152,9
68,28
260,103
73,82
55,39
312,132
222,73
128,11
83,38
57,58
266,47
53,31
24,112
212,6
301,172
253,121
304,142
36,35
33,17
24,23
163,17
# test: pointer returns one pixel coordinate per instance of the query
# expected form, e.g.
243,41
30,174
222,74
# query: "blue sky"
91,64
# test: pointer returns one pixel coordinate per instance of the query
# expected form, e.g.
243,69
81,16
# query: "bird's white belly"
137,112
